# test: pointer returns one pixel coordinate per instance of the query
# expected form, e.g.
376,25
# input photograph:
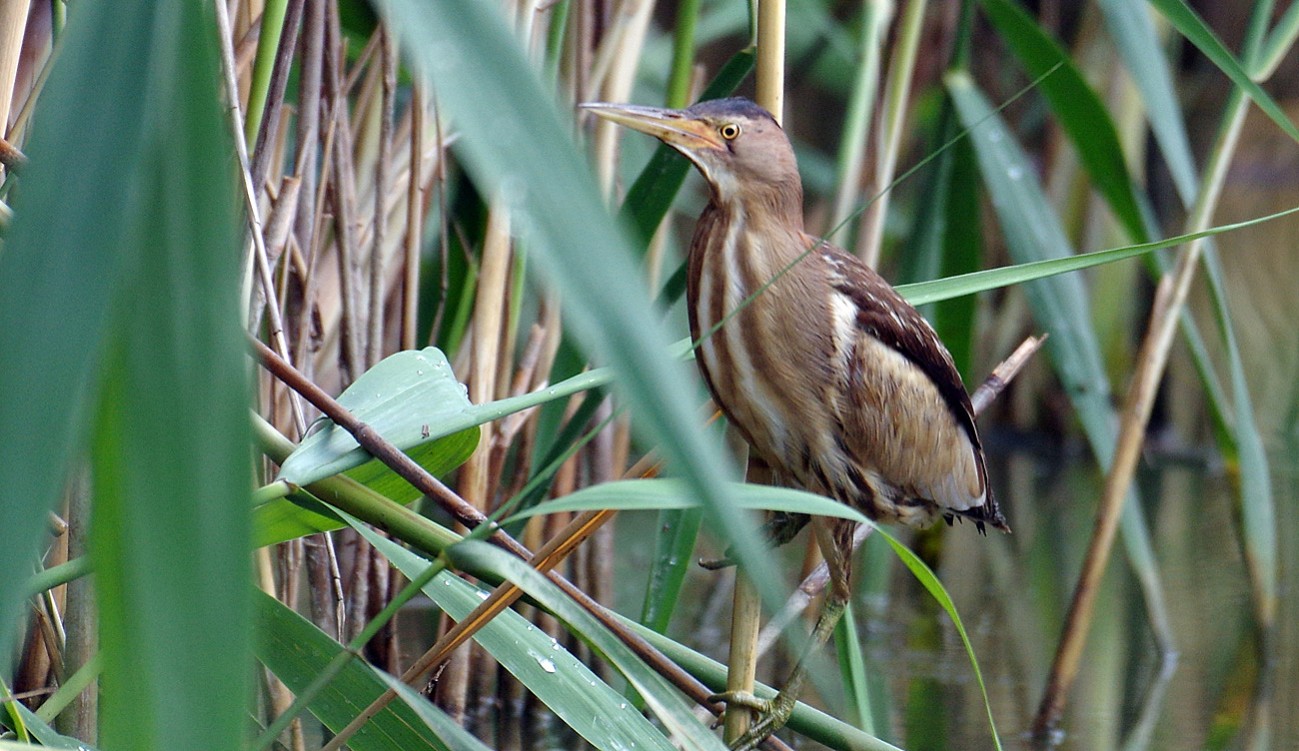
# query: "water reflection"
1222,688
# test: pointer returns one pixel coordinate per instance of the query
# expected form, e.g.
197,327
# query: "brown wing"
884,315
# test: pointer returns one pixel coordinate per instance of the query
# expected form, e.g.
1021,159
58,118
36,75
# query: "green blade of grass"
48,736
852,666
1060,306
1134,37
962,247
1257,503
668,706
1138,45
652,495
677,532
598,713
1191,26
458,739
811,722
1077,108
659,494
296,651
935,588
1030,271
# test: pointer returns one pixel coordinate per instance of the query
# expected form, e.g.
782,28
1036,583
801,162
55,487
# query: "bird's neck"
766,210
778,201
739,246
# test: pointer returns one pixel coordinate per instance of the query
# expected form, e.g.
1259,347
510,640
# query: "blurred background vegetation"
345,189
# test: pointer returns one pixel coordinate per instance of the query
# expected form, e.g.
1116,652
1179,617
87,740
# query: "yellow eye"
729,131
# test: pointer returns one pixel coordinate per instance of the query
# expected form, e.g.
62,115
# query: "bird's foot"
770,715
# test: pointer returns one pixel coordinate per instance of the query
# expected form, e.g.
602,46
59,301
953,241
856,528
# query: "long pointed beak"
676,128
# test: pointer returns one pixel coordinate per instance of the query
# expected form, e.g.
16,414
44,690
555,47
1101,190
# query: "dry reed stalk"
892,125
382,180
257,262
34,66
476,485
417,191
616,73
269,118
344,201
1170,298
13,25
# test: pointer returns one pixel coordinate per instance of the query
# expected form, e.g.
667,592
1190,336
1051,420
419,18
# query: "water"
1012,592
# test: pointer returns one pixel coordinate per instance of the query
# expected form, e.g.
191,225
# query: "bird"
837,383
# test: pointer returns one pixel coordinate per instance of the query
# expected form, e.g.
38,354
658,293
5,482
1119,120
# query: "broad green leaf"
138,93
1077,108
170,540
410,398
1191,26
585,703
650,495
296,651
342,492
135,262
299,515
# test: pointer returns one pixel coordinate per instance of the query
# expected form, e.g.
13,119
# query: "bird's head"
738,146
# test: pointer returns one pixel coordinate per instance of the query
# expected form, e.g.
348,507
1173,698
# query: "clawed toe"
743,699
770,715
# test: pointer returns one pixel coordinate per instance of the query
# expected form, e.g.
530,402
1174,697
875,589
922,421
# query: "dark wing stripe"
876,303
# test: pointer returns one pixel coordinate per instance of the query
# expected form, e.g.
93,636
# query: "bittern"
837,383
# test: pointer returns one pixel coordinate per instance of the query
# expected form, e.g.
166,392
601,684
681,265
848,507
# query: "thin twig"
274,105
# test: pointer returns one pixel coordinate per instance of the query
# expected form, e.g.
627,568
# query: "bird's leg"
834,537
779,529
